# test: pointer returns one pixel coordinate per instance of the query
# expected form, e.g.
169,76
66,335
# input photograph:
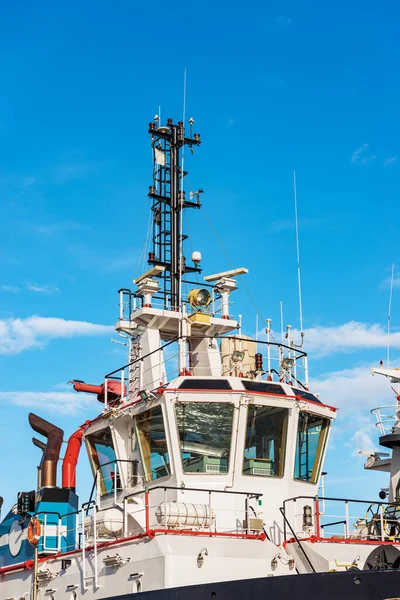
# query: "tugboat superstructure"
206,458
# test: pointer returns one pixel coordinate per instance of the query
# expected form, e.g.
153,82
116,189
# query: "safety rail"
304,519
130,302
245,522
240,356
386,417
234,515
194,511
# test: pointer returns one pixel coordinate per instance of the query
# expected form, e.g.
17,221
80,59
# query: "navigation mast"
169,201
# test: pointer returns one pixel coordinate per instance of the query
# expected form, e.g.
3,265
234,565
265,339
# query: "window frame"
285,439
231,458
147,481
98,468
320,452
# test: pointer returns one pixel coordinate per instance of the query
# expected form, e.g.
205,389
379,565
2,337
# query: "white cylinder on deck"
109,520
182,514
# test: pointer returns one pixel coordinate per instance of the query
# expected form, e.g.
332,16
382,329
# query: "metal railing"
386,417
341,519
194,511
291,364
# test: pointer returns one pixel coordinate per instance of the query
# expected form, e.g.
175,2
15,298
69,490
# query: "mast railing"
265,363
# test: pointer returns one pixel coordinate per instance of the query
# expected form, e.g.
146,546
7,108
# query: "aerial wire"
298,257
389,315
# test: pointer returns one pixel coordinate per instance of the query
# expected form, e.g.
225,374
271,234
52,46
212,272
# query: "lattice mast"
168,202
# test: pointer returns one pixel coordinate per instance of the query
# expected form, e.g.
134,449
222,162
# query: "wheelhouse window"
150,433
103,459
265,388
205,384
312,431
264,453
205,433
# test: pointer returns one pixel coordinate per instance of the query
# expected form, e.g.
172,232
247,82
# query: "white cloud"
361,156
17,335
390,160
48,288
10,288
355,392
347,337
67,403
352,389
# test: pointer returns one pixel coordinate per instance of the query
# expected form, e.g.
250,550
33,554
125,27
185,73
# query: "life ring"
34,531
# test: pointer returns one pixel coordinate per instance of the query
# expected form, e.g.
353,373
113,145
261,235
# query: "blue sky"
273,87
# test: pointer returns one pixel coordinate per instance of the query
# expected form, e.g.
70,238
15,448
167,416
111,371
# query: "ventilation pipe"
115,390
71,458
51,450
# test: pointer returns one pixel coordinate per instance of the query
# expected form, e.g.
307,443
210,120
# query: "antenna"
282,332
181,195
389,312
168,202
298,258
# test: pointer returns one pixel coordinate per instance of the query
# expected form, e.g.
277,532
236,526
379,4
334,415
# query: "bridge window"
205,432
264,452
103,459
310,444
150,432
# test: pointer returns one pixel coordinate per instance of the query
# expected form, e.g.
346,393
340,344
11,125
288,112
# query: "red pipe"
71,459
115,390
88,387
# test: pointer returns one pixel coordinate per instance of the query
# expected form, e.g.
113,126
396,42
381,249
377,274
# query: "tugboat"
206,457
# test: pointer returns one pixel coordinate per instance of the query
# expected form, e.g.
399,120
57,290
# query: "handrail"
282,511
299,353
186,489
111,462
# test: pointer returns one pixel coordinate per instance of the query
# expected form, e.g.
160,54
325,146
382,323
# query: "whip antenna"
389,313
298,257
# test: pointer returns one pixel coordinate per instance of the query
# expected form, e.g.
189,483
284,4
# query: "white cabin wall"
153,368
205,357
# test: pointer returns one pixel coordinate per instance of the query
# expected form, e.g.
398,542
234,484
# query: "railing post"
105,395
147,515
317,518
121,305
95,546
59,523
382,524
247,515
125,517
83,550
165,504
210,508
76,531
98,487
115,482
347,524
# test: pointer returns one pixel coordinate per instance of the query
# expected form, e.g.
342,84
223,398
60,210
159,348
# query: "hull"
347,585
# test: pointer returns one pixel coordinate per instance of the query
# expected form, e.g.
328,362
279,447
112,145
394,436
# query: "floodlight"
199,297
287,363
145,395
237,356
